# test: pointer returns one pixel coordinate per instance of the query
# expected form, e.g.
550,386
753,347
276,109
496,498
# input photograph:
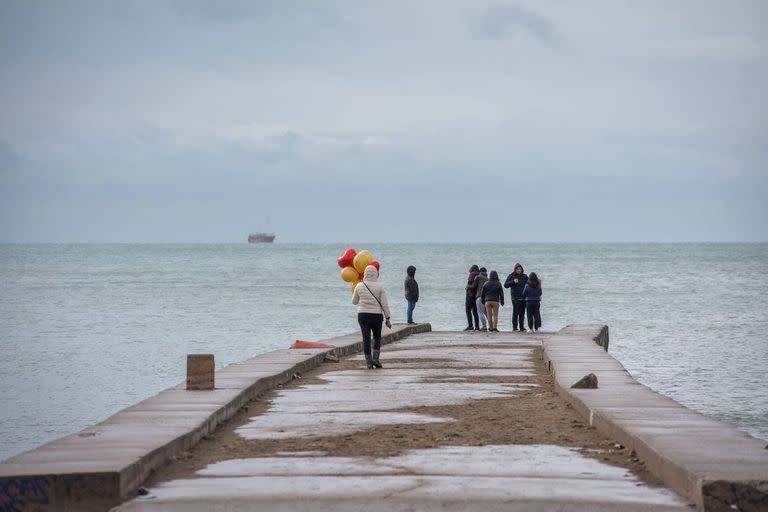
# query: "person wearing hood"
493,297
469,304
372,308
411,292
480,281
516,282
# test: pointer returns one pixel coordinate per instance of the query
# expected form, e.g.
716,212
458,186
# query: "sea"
87,330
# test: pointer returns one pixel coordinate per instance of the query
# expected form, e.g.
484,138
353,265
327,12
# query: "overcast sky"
193,120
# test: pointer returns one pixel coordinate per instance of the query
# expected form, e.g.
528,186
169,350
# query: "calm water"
90,329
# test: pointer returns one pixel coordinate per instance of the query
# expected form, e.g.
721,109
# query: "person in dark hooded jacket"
469,304
532,293
493,298
411,292
480,281
516,282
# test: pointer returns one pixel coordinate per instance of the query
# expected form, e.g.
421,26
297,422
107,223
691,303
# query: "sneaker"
411,323
468,328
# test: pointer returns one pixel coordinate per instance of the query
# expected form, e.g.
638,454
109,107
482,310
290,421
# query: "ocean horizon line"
441,242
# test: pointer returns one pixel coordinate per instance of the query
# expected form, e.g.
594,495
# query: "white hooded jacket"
364,294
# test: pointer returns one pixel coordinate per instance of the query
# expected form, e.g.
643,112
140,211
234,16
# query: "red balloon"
376,264
347,258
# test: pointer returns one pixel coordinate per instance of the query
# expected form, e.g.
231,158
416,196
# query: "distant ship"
261,238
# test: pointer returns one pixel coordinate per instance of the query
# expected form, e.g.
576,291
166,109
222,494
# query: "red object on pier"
310,344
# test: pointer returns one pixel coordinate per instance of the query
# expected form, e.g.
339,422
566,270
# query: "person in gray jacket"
411,292
480,280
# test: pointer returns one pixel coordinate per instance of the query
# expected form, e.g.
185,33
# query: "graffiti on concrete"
20,494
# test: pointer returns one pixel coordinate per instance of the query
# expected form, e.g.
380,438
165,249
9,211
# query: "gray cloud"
277,14
8,159
511,20
122,121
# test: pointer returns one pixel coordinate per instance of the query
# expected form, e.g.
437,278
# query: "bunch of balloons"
353,265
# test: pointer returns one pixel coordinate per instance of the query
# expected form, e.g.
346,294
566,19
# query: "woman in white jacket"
372,309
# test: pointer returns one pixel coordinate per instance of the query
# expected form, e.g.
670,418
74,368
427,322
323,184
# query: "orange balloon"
349,274
362,260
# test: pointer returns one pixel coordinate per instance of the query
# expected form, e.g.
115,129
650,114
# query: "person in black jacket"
516,282
411,291
532,293
493,296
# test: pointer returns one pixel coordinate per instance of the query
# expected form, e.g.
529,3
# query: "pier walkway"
454,421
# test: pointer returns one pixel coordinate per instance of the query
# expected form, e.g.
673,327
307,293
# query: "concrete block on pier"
200,371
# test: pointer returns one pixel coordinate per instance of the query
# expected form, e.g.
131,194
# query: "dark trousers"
534,316
471,308
518,314
370,323
409,312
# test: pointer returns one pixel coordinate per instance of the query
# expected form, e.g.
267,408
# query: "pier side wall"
713,464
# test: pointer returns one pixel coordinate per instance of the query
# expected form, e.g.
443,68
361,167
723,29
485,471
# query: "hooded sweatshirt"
474,270
480,280
411,286
368,291
492,290
516,288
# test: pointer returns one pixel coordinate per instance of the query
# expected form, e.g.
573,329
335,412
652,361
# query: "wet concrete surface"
426,370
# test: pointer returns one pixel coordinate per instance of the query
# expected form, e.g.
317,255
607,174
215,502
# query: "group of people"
485,296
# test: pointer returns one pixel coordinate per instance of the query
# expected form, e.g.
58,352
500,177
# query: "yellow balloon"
349,274
362,260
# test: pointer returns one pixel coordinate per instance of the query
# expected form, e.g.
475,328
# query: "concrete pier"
454,421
